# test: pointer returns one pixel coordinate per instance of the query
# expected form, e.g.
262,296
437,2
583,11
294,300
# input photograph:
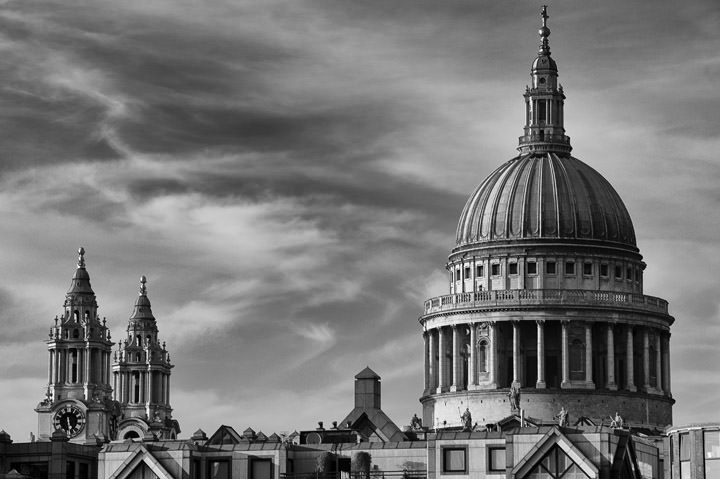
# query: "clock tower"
78,400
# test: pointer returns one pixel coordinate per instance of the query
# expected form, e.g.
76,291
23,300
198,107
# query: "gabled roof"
537,453
139,456
367,373
625,459
224,435
379,422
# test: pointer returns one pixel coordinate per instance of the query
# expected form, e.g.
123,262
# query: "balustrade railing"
531,297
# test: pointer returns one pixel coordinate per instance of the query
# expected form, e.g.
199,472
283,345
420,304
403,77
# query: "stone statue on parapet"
562,417
415,423
617,421
466,419
514,396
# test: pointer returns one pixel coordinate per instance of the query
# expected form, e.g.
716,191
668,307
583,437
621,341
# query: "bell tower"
141,375
78,398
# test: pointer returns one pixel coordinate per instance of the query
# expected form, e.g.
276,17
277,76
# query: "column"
516,353
50,368
87,360
149,397
588,356
658,364
441,361
540,384
666,364
167,390
56,368
565,358
471,360
629,360
455,358
611,358
426,340
646,359
492,355
433,360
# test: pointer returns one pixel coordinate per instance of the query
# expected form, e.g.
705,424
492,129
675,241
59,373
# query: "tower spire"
544,33
544,103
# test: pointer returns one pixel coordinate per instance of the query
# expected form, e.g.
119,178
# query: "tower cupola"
544,103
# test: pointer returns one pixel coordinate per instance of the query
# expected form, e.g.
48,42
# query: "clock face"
70,419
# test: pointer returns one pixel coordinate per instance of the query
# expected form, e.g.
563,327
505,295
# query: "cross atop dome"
544,33
81,257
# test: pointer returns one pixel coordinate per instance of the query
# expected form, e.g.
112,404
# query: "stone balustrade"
508,298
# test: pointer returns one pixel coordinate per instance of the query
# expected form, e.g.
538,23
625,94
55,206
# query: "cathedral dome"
545,197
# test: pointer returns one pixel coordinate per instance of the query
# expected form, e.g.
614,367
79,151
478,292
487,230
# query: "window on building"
480,270
482,356
467,272
684,455
70,469
652,353
629,274
496,458
587,268
261,468
196,468
532,267
513,268
495,269
136,388
569,267
457,274
550,267
711,441
604,270
555,465
577,360
219,469
74,366
84,471
618,272
454,460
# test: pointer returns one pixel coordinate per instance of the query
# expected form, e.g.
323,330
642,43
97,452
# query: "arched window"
73,365
577,360
653,366
138,357
482,356
131,435
136,387
76,333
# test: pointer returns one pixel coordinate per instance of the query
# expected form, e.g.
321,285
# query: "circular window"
542,81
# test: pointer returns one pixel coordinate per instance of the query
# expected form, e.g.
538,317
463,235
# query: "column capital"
540,322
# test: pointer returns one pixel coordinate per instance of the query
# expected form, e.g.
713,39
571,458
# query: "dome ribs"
552,217
567,227
545,196
532,199
520,201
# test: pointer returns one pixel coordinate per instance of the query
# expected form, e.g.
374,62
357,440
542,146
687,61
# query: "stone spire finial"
544,33
143,288
81,257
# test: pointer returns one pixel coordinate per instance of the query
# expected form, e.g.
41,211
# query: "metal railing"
373,474
544,297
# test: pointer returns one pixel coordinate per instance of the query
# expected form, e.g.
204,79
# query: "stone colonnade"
152,386
78,366
448,373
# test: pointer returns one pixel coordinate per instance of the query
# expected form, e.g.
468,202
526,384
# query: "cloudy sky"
288,175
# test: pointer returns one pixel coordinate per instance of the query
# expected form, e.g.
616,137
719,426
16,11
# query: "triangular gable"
377,421
141,455
513,421
624,465
543,446
224,435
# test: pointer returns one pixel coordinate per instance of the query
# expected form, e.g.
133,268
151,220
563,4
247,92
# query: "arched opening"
76,333
136,387
577,360
653,366
131,435
73,366
482,356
